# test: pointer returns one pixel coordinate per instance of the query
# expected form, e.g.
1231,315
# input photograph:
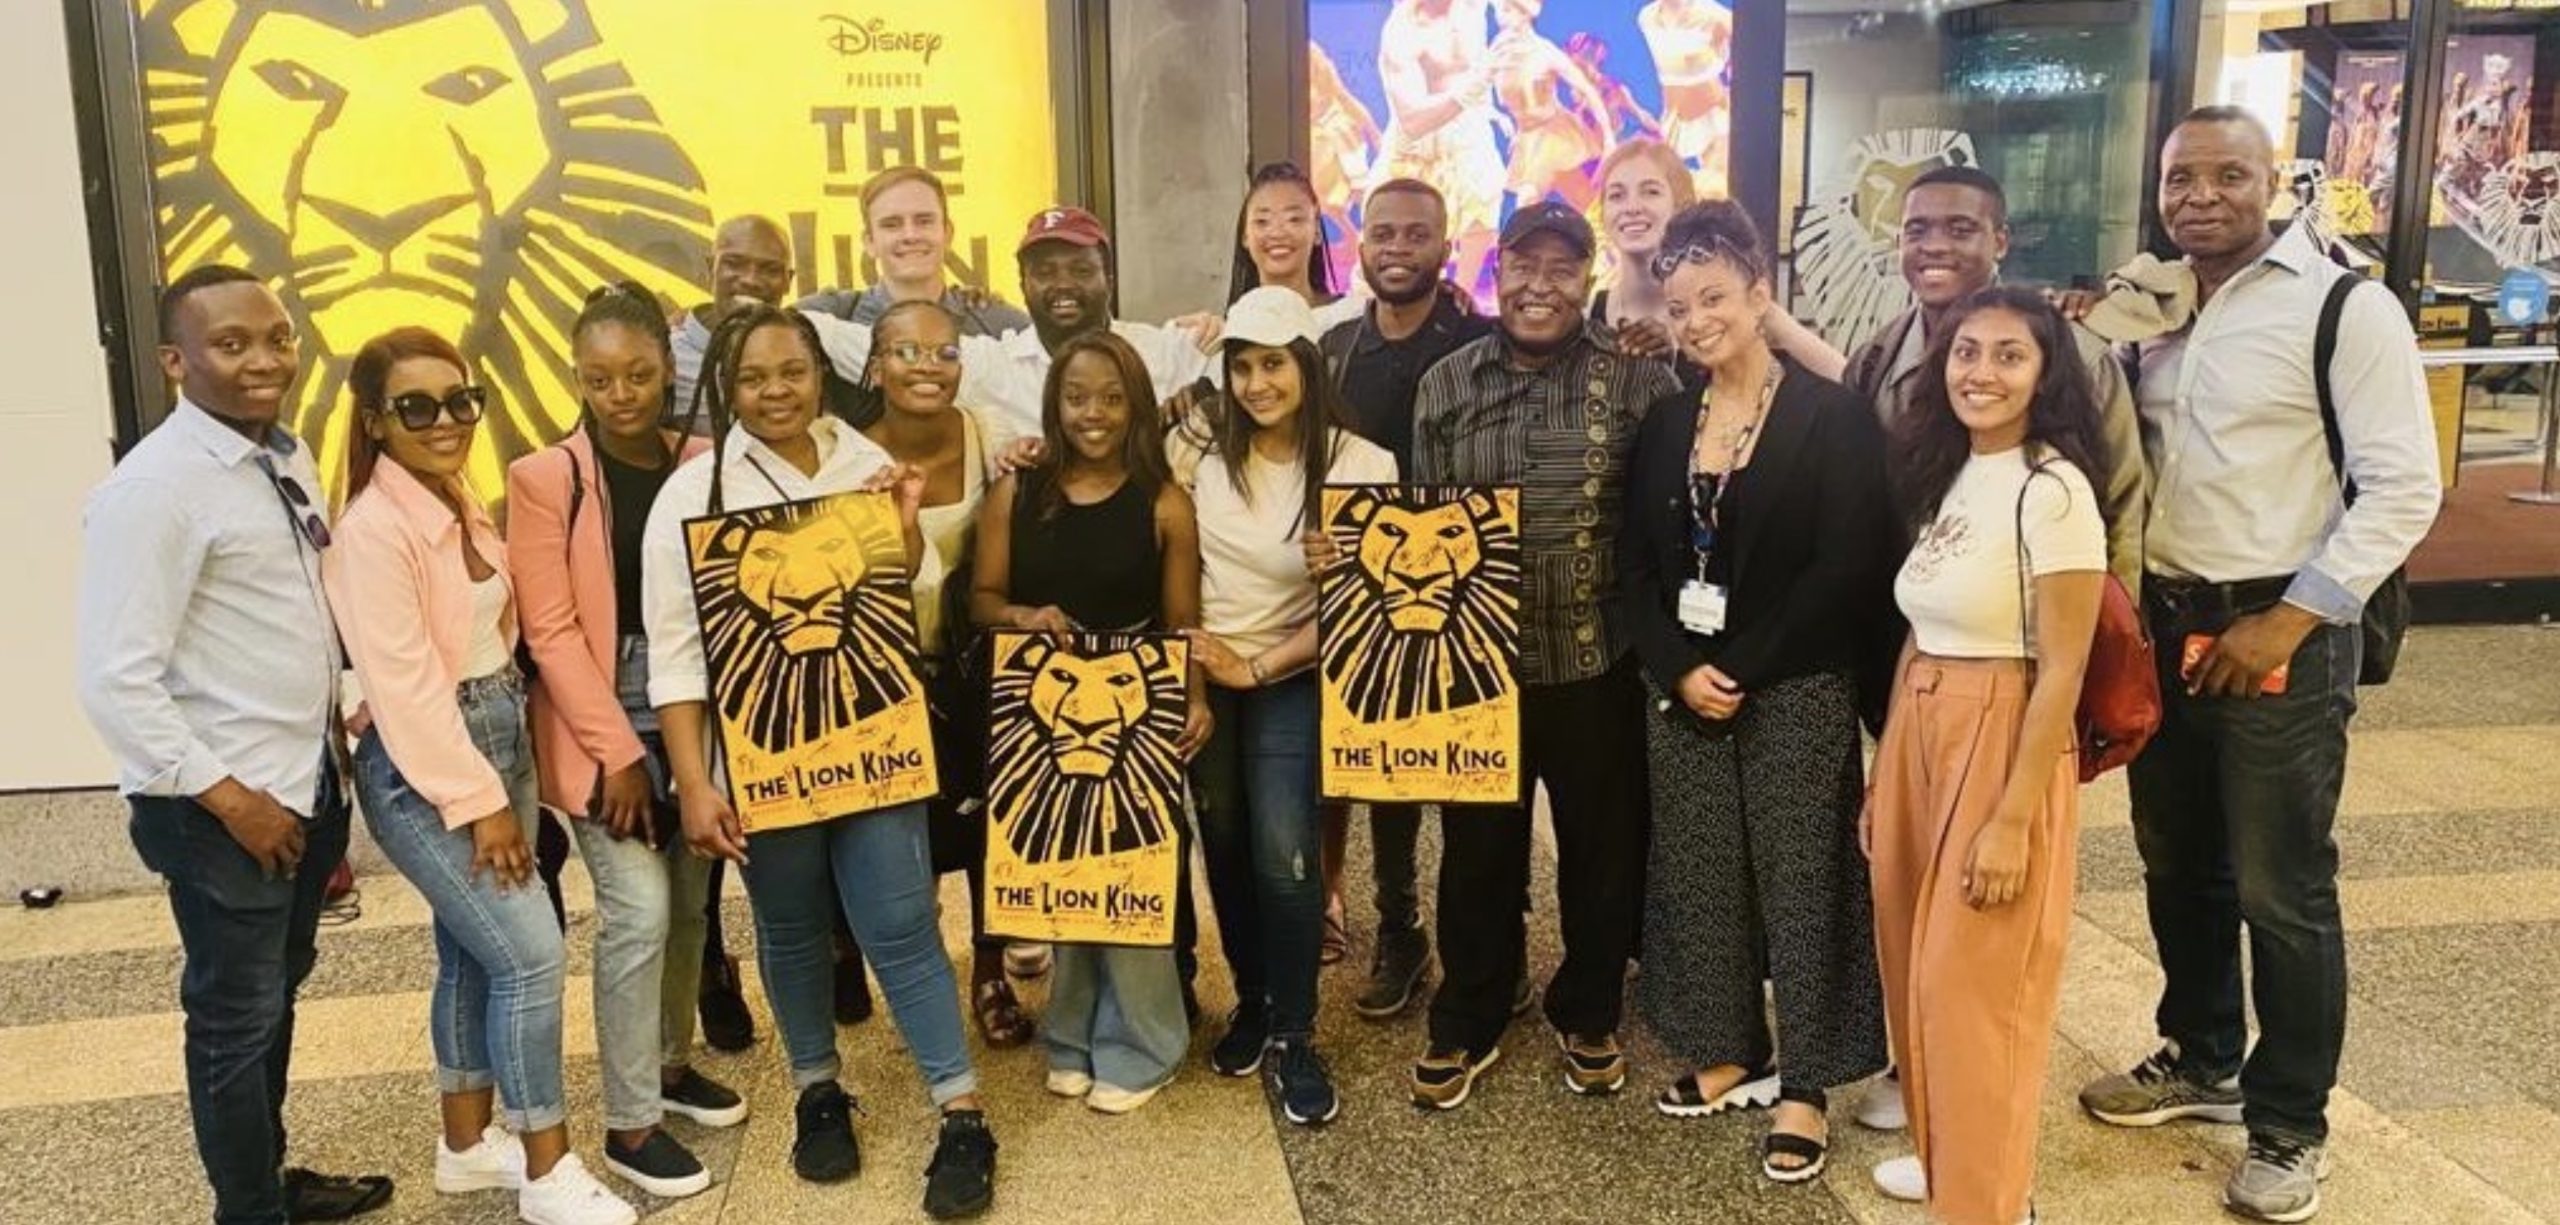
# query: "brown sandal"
1000,1019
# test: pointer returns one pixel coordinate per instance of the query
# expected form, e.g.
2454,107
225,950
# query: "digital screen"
1502,103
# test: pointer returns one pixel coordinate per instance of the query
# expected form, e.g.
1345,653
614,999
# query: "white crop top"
1959,587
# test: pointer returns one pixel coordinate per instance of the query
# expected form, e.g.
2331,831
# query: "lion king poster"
1084,786
1419,627
809,631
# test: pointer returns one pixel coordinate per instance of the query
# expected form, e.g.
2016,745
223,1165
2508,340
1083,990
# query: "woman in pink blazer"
575,511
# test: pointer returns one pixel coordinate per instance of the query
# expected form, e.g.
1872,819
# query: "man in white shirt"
208,663
750,263
2260,566
1067,285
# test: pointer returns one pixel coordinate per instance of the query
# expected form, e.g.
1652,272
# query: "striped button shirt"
1562,433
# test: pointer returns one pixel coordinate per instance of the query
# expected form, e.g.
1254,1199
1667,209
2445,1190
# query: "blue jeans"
1255,786
884,881
1115,1014
2233,802
250,940
495,1015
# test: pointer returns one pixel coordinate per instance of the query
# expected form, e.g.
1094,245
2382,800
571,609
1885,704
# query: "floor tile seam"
2490,1180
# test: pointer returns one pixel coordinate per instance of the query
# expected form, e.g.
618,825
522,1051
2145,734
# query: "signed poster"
1420,645
1084,786
809,633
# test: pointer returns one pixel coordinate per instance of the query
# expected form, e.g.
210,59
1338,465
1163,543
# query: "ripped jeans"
1255,786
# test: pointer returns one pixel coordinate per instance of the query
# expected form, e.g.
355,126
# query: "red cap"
1065,224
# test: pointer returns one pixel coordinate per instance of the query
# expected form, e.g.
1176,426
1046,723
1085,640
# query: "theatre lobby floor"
2449,1107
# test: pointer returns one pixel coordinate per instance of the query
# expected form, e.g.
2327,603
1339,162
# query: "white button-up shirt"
1005,375
205,646
2242,487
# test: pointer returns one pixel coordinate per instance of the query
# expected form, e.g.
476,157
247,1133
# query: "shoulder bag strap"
2324,352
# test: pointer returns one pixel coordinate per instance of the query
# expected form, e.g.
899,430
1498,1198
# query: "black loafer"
310,1196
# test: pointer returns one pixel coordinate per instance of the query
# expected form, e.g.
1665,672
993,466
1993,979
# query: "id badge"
1702,607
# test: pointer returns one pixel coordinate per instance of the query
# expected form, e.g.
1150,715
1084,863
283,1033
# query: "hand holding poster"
809,631
1084,788
1420,645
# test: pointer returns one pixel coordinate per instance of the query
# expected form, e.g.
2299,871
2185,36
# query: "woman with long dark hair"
445,772
1751,553
1099,538
763,372
574,518
1280,240
1974,817
1279,441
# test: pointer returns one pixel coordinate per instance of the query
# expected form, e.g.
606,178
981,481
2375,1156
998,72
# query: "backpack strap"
2324,352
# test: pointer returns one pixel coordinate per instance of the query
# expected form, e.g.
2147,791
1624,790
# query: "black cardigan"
1812,541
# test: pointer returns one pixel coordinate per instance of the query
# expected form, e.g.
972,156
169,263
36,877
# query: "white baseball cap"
1271,315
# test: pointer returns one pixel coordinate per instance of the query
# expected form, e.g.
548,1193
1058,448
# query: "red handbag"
2119,708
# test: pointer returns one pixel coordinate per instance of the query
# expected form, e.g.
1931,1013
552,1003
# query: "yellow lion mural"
471,166
808,623
1427,618
1081,746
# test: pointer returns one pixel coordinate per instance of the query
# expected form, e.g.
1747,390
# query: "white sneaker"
568,1195
1902,1178
1881,1108
496,1163
1068,1082
1112,1099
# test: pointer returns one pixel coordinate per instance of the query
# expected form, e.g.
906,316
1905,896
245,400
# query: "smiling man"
907,232
750,264
2260,563
1547,403
1955,232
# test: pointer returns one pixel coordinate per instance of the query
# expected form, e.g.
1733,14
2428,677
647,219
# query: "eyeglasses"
297,504
418,411
913,353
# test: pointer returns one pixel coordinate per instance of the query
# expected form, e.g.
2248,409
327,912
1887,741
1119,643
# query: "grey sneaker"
2156,1092
2280,1180
1395,972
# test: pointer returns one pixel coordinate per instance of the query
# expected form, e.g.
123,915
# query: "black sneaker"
1239,1052
658,1165
961,1179
1446,1074
825,1150
703,1100
726,1023
853,991
1395,973
1524,996
1305,1085
1594,1065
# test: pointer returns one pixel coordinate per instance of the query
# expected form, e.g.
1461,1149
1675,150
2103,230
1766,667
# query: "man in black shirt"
1377,360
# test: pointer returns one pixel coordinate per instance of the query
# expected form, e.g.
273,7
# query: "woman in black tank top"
1100,539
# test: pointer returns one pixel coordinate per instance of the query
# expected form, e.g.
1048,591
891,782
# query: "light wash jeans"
649,951
495,1014
1115,1014
884,880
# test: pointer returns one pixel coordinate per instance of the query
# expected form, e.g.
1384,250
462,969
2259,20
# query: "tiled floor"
2449,1110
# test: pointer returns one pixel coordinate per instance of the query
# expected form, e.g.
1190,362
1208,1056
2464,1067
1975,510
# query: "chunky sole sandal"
1816,1154
999,1015
1683,1101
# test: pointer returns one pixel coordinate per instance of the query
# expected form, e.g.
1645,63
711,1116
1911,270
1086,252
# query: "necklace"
1730,442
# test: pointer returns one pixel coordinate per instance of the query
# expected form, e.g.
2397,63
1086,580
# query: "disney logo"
850,38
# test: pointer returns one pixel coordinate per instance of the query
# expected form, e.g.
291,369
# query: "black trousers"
1585,741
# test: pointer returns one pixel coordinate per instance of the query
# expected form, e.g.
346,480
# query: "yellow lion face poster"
1084,788
1420,655
808,628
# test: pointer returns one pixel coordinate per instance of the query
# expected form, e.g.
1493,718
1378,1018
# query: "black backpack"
2386,612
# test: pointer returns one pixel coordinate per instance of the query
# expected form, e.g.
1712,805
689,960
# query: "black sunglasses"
297,504
418,411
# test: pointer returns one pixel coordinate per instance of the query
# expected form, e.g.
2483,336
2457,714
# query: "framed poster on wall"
476,167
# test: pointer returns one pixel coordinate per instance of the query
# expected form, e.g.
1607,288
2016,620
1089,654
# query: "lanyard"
1707,490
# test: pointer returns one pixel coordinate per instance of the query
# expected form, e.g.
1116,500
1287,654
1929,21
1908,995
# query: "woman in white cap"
1278,441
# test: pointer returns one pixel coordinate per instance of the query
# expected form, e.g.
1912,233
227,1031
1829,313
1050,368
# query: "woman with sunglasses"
911,385
1100,538
445,772
575,513
1751,556
771,443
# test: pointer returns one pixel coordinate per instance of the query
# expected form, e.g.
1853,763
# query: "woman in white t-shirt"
1973,817
1278,443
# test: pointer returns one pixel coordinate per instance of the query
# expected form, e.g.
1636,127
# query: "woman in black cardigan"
1754,548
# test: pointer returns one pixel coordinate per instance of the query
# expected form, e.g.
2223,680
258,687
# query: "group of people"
1742,550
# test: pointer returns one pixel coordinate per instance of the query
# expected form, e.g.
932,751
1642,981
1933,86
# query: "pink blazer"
402,596
565,600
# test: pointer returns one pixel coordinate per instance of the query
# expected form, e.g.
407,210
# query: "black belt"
2195,597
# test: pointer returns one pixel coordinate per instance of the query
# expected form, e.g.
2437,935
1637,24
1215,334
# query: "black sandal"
310,1196
1683,1100
1815,1154
999,1015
